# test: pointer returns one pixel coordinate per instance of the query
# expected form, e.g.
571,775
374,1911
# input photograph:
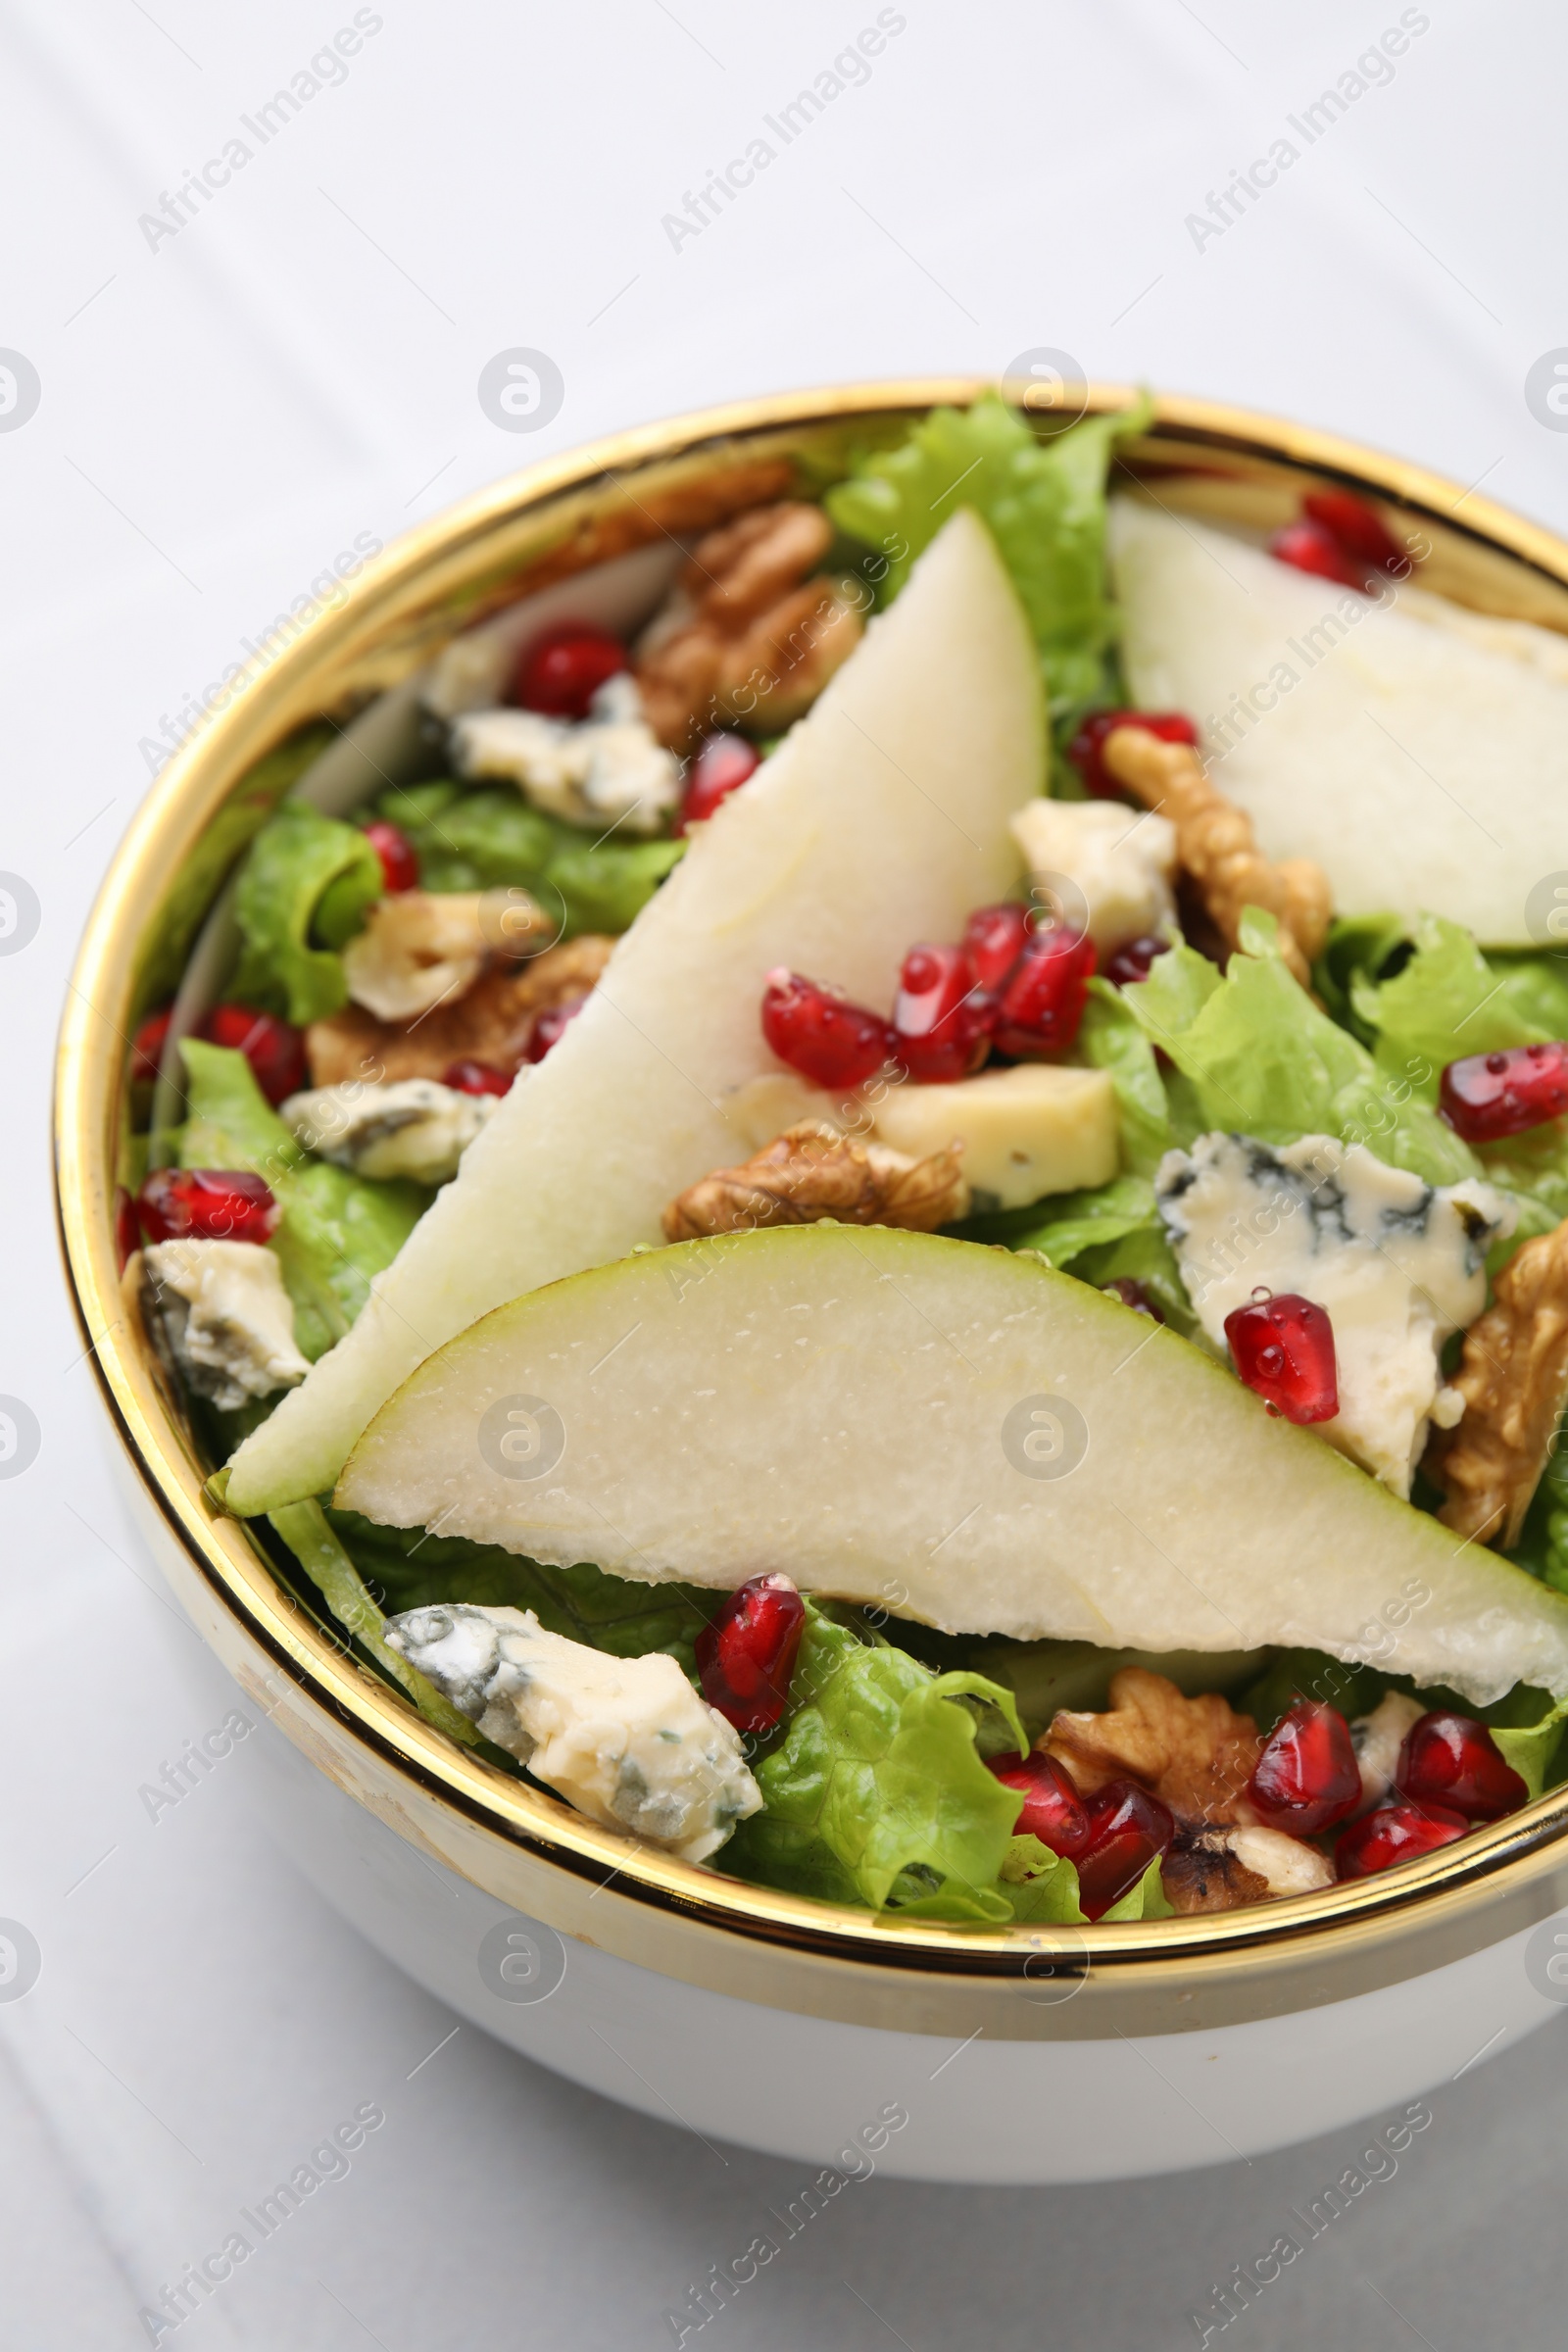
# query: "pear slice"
1417,751
949,1431
880,820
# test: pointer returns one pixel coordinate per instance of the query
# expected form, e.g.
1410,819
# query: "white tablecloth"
233,385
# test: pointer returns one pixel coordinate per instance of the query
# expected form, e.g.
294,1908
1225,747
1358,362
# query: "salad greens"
493,839
304,887
1043,502
336,1229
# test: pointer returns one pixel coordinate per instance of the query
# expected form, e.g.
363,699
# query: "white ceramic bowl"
761,2018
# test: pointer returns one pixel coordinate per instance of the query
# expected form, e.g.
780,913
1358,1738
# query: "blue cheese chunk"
1121,863
626,1741
609,767
219,1311
413,1127
1397,1263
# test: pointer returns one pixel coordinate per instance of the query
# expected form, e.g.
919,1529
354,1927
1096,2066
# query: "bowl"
787,2024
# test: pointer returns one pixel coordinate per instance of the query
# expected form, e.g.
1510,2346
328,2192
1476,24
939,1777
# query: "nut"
423,947
491,1024
1513,1377
811,1172
1225,1870
748,635
1218,848
1196,1754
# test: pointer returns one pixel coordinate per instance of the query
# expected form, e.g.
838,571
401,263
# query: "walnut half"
1513,1377
1217,847
1196,1754
811,1172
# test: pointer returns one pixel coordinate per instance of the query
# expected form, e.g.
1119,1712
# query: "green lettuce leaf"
879,1764
1110,1037
1070,1223
408,1569
303,890
1043,502
1263,1060
336,1231
492,839
605,886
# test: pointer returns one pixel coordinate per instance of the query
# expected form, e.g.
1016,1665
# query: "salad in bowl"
893,1212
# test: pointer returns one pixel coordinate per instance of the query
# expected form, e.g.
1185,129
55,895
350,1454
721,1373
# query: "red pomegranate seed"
1042,1002
1087,748
1489,1096
1133,1294
747,1654
274,1051
550,1025
1127,1828
476,1078
400,860
128,1228
1132,962
1283,1348
1053,1809
941,1017
1401,1830
994,940
1359,529
1308,547
147,1045
206,1205
829,1040
561,673
1451,1760
721,766
1306,1776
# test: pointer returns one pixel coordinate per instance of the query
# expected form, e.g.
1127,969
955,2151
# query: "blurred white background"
222,408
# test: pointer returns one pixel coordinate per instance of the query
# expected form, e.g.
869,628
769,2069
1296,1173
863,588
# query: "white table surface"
219,416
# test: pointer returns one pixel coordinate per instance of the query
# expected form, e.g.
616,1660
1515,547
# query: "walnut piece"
748,636
491,1024
1196,1754
810,1172
1217,847
1225,1870
423,947
1513,1377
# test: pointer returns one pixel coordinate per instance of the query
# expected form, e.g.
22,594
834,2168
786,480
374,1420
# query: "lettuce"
1262,1060
303,890
336,1230
493,839
1111,1039
879,1767
1044,502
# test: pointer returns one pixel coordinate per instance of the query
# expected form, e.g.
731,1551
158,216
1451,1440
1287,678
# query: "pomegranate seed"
550,1026
476,1078
1052,1810
400,860
274,1051
1127,1828
1087,748
1397,1832
147,1045
747,1654
128,1228
721,766
1359,529
1042,1002
561,673
1132,962
1283,1348
1310,548
1452,1761
827,1040
1306,1776
941,1017
1132,1294
206,1205
1487,1096
994,940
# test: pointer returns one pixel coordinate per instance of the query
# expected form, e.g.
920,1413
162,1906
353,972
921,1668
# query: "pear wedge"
881,820
1418,751
949,1431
